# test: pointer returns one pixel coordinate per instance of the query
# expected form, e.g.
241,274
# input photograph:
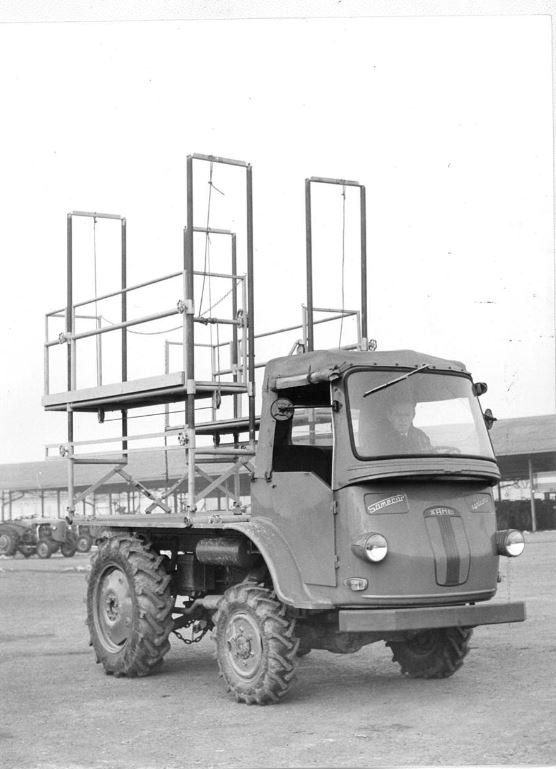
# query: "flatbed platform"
136,393
226,426
167,520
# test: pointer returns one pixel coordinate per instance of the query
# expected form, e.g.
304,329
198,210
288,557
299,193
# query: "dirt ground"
59,710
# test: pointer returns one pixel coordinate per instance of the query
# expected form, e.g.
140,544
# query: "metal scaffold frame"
189,334
310,322
200,475
166,388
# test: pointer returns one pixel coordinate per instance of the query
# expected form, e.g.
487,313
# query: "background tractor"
41,536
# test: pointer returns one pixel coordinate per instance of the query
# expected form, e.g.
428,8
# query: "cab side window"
304,444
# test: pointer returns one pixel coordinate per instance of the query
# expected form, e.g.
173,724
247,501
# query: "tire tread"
148,642
442,661
279,645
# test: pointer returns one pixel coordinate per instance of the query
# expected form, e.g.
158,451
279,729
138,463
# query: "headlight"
371,547
509,542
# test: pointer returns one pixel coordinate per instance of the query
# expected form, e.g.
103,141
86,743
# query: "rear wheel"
8,541
255,644
432,653
129,607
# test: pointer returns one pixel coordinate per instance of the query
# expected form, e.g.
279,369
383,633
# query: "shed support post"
532,493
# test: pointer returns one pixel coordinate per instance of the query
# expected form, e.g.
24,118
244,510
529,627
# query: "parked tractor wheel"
255,644
129,607
68,549
432,653
102,535
44,548
84,543
8,541
27,550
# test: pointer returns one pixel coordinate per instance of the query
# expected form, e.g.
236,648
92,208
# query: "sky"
447,121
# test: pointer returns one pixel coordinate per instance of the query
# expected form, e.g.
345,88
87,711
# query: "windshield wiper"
398,379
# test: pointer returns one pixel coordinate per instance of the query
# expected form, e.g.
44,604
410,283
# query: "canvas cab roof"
321,365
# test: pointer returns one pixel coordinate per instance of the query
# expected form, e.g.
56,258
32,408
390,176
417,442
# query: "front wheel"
68,549
44,548
27,550
129,607
84,543
432,653
255,644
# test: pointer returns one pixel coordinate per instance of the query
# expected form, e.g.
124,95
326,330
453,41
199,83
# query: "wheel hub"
244,645
423,643
114,609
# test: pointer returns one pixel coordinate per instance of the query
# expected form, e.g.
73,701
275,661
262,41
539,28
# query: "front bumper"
392,620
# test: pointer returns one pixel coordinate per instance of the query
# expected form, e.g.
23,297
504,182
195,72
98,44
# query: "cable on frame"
343,261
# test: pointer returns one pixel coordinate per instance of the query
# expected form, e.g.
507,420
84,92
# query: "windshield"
426,413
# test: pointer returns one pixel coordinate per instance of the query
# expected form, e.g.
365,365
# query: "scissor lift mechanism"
237,380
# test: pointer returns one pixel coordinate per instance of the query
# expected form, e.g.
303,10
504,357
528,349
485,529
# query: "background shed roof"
516,441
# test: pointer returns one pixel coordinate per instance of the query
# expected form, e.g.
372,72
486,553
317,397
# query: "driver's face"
401,416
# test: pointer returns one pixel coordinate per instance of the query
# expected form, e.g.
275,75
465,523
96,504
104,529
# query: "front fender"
283,568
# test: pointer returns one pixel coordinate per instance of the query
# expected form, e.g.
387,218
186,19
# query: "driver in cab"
401,436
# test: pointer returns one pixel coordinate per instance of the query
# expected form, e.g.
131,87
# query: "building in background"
525,498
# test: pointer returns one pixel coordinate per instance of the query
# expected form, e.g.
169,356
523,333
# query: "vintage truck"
356,507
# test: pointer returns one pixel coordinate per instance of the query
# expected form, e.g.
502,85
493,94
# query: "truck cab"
396,518
374,476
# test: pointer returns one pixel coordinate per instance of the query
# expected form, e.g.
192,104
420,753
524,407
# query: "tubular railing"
52,343
97,332
241,348
309,255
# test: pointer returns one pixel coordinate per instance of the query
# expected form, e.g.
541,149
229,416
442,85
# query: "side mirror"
480,388
489,418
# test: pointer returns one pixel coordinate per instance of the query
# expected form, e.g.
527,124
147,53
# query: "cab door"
302,502
297,495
